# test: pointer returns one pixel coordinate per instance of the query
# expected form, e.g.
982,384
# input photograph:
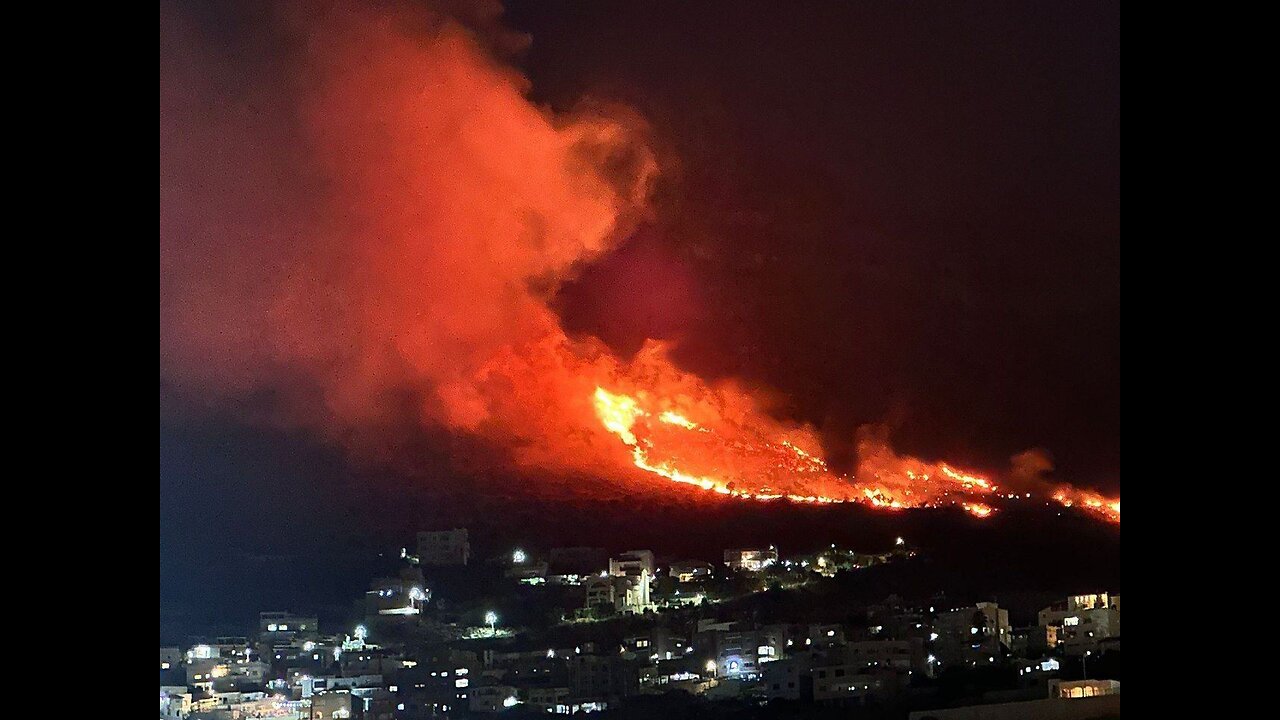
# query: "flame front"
731,459
670,443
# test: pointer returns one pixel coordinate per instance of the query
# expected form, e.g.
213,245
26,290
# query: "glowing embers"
741,460
1091,502
977,509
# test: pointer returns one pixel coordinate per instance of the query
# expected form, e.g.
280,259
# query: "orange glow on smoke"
378,249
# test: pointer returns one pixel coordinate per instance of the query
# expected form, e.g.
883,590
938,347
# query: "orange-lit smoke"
374,239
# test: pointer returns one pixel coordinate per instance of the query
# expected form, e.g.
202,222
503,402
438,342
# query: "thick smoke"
363,216
363,221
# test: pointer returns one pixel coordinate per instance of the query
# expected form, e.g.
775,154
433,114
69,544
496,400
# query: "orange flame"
741,461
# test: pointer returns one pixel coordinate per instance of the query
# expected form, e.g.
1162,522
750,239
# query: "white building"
751,559
632,563
1083,621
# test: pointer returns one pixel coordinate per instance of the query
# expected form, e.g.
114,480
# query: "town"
580,630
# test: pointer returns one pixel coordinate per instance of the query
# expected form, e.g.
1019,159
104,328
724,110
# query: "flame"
739,460
432,212
1092,502
693,442
977,509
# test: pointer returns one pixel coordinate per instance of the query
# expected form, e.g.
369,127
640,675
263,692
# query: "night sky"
887,210
901,213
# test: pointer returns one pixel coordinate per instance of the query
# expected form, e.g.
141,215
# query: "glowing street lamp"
518,557
711,666
491,617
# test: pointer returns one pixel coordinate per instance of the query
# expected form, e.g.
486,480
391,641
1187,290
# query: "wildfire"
434,164
740,461
691,444
1092,502
977,509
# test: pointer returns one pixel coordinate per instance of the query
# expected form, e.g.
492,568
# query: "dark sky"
901,212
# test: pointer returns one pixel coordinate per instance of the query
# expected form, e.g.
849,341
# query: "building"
602,678
493,698
691,571
435,685
632,563
750,560
1076,700
1082,622
631,593
171,672
553,700
599,592
404,595
446,547
281,628
627,585
657,643
332,705
974,635
1033,641
901,655
828,677
176,702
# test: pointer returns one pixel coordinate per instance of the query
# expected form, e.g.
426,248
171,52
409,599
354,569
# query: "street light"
518,556
491,617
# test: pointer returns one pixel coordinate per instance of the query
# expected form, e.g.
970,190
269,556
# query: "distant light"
901,541
518,556
510,702
933,659
933,636
362,632
711,666
491,617
551,653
